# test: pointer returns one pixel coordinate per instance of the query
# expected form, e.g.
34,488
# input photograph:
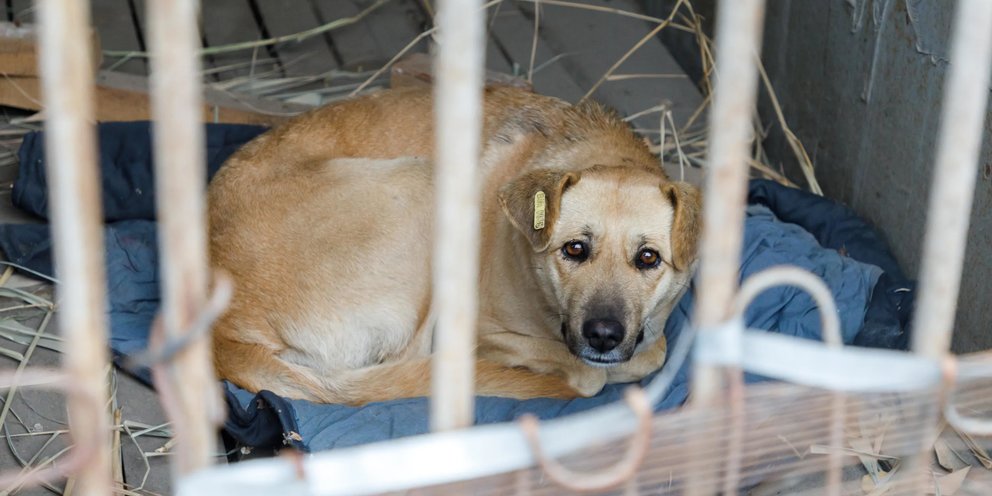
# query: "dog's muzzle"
603,335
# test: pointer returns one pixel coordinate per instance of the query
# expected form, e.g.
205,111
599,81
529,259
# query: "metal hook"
220,297
805,280
606,479
970,425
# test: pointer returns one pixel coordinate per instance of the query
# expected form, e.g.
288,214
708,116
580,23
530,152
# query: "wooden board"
372,41
23,11
123,97
515,33
594,41
114,22
310,56
231,21
496,57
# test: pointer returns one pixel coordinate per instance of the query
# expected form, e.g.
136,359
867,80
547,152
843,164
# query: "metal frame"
195,408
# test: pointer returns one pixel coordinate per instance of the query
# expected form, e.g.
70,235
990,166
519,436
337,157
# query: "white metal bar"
76,218
789,275
965,97
458,105
738,40
445,457
180,185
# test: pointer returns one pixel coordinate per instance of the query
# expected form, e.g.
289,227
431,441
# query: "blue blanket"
782,226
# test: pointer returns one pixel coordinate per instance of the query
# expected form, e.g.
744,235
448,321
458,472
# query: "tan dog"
325,225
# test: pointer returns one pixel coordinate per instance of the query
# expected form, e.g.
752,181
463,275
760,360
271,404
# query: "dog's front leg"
543,356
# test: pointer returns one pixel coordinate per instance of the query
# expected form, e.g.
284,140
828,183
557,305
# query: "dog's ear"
686,226
532,201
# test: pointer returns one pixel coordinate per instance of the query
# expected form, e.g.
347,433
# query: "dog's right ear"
687,226
532,201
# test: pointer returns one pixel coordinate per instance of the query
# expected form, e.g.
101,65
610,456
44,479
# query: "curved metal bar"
971,425
805,280
830,332
606,479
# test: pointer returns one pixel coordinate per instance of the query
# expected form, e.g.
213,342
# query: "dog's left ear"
532,202
687,204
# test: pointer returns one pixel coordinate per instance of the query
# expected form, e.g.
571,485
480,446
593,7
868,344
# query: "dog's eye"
575,250
647,259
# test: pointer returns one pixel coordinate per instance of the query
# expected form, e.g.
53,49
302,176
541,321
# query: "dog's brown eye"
647,259
575,250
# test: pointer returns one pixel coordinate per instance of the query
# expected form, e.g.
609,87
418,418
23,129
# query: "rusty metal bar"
458,109
965,97
180,176
76,219
738,40
738,43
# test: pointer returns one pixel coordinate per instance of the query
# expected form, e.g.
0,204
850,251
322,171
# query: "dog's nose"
602,334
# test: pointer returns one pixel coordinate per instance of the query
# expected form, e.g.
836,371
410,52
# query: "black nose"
602,334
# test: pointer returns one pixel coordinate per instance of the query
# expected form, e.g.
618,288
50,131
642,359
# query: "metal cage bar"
965,97
738,44
72,177
76,218
738,41
458,109
180,184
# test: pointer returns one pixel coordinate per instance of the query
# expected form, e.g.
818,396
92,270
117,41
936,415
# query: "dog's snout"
603,334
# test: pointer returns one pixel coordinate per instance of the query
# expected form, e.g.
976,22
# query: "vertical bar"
738,42
965,97
458,110
76,218
180,185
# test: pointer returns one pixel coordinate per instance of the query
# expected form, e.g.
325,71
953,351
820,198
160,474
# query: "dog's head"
613,247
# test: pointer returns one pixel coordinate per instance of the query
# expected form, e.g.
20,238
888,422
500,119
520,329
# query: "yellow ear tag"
540,205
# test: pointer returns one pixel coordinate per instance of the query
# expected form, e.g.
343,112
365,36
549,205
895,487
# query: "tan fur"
325,225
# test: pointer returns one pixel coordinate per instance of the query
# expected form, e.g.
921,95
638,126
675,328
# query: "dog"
325,226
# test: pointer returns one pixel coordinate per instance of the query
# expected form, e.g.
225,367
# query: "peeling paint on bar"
965,98
458,110
180,176
76,219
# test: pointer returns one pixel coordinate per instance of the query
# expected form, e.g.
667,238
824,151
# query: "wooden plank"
509,29
496,58
394,25
23,11
124,97
19,49
307,57
231,21
140,404
594,41
115,25
418,70
373,41
354,43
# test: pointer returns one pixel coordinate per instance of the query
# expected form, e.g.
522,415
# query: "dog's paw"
587,381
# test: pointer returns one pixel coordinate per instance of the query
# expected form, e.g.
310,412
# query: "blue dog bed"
783,226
